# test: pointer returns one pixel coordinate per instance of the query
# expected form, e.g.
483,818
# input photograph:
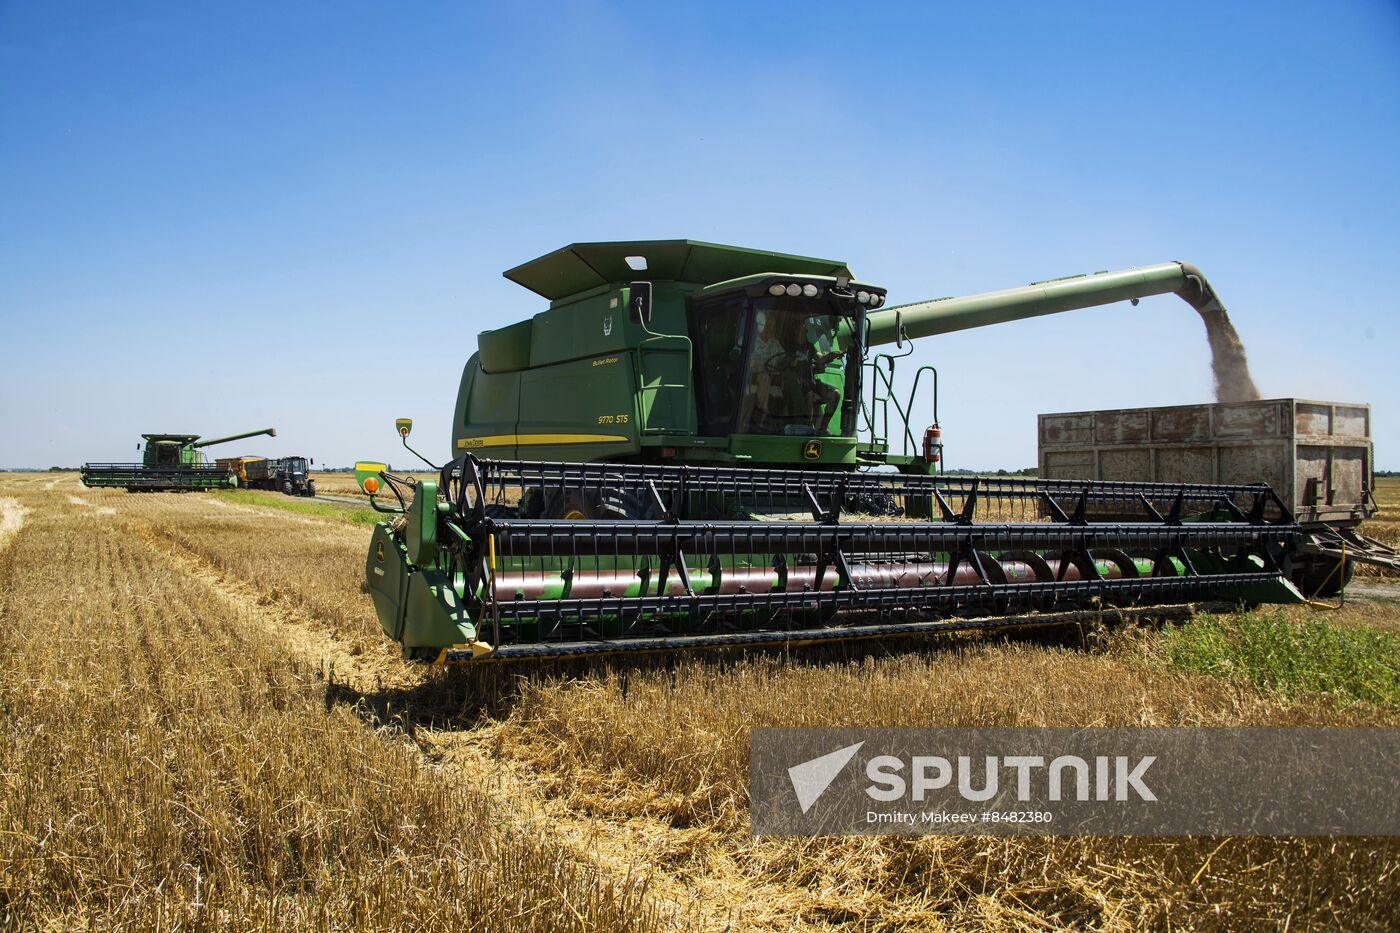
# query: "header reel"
485,563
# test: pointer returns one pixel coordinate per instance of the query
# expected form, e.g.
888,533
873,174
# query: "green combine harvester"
691,447
170,463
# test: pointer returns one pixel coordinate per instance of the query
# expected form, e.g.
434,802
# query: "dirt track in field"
610,846
622,848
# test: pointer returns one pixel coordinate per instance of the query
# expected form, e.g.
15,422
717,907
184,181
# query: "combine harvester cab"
702,458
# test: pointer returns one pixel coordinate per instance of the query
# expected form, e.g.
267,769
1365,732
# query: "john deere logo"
812,450
379,551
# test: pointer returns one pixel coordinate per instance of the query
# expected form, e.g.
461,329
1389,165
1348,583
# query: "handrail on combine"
882,395
645,389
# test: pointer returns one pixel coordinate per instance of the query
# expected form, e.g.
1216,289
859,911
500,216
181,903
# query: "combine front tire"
606,504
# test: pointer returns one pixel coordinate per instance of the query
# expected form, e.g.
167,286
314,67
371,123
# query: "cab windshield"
771,365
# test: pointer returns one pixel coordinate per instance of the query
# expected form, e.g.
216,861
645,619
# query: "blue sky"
215,217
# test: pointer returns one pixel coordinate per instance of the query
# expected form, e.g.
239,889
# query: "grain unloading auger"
694,477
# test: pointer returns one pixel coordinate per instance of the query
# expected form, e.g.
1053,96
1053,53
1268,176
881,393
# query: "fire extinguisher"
933,443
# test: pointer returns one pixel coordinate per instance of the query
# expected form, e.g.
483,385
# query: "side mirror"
404,426
639,302
899,330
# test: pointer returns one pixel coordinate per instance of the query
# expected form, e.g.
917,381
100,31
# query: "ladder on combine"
876,421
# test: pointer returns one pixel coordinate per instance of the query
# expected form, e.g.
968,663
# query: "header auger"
686,461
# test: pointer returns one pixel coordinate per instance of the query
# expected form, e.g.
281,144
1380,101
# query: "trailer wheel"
1322,576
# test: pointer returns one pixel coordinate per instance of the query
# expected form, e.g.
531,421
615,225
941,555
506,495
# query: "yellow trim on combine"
503,440
479,649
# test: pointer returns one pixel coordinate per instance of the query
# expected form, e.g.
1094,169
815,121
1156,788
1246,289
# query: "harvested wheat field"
205,728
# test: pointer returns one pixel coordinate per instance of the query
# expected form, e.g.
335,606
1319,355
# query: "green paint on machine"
744,356
621,457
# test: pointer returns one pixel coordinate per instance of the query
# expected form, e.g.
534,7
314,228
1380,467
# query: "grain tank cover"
172,438
580,267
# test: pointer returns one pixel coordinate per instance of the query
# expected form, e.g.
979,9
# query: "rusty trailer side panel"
1315,455
238,466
